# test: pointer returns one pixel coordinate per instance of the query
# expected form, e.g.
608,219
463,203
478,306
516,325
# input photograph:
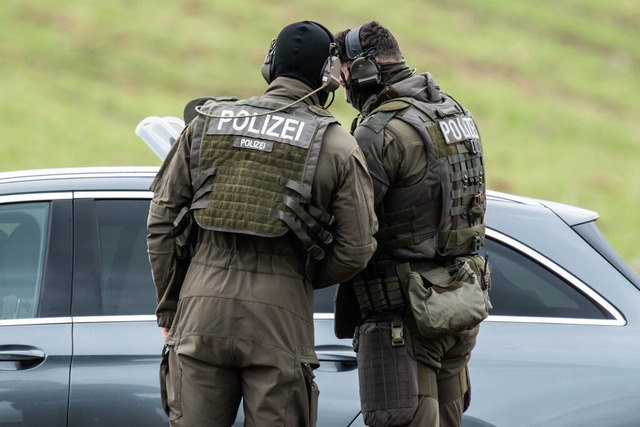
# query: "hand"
165,332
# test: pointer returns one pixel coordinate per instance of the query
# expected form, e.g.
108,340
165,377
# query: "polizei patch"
458,129
259,131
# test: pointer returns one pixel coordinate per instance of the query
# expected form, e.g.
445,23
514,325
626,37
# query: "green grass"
553,85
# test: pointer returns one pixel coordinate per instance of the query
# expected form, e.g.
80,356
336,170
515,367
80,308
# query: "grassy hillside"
553,85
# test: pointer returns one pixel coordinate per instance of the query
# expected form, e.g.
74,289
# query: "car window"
522,287
23,232
323,299
126,286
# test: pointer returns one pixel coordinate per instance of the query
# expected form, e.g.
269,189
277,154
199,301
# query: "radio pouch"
387,371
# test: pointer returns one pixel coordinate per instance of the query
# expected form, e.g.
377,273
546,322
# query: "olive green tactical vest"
252,170
443,214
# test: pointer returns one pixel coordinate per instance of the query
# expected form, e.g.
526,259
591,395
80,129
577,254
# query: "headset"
330,74
364,71
330,78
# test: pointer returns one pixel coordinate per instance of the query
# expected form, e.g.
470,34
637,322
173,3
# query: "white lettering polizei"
253,143
458,129
241,125
280,127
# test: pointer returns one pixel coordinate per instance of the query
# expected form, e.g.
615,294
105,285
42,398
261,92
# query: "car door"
554,351
117,345
337,376
35,292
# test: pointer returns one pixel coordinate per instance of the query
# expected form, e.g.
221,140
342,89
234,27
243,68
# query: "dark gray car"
79,345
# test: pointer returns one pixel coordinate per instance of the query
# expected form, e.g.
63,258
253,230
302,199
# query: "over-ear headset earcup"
268,65
266,72
331,74
364,72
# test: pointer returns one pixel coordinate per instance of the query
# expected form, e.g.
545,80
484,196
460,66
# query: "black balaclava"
301,52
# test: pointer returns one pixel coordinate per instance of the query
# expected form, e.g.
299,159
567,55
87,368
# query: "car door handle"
22,357
342,357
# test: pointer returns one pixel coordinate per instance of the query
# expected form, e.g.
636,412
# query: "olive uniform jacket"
255,288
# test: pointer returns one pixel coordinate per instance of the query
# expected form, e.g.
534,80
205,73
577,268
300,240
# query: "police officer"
425,158
281,204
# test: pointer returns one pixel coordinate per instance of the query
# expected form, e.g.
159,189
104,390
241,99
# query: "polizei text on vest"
253,124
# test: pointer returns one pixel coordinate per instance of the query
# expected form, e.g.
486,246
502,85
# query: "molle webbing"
418,220
444,213
243,181
466,187
379,291
255,169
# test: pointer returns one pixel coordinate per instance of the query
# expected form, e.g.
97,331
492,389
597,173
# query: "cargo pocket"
313,393
170,383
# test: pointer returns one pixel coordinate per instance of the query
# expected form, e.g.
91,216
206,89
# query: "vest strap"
305,191
312,224
309,245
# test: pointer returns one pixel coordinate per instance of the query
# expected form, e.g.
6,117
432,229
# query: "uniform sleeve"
171,192
398,162
404,154
355,222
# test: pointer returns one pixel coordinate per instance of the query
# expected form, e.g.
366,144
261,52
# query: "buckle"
316,252
325,236
397,334
477,243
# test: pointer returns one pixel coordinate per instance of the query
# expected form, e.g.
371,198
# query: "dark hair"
373,35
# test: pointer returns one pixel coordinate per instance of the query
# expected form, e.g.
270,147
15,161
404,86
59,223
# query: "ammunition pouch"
387,372
379,292
452,298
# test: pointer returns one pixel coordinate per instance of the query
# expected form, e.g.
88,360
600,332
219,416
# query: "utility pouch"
451,299
387,372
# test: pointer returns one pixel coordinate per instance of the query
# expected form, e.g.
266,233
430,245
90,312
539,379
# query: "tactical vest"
443,214
252,169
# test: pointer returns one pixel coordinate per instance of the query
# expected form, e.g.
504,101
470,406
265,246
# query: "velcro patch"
254,144
458,129
256,126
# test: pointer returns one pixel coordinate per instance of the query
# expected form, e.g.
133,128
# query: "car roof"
571,215
77,179
138,178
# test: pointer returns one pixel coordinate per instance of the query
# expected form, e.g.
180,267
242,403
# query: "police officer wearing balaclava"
424,155
282,204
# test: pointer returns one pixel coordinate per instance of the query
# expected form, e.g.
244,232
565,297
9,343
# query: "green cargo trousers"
276,387
443,381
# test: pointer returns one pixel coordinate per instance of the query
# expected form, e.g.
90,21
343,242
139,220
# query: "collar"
291,89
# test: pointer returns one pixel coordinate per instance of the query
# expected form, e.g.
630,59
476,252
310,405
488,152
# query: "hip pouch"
387,372
451,299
